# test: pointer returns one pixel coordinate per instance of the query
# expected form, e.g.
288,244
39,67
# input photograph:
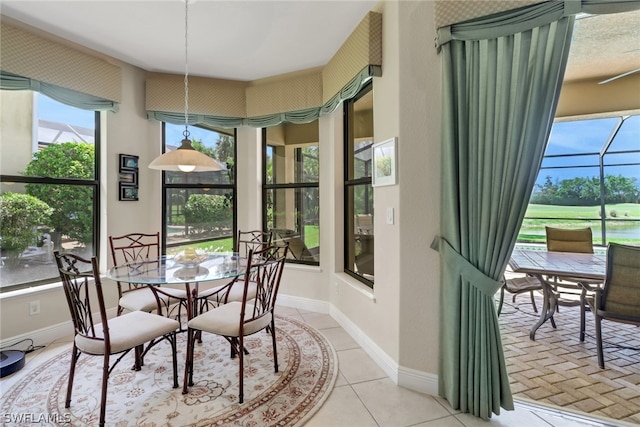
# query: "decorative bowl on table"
191,272
190,257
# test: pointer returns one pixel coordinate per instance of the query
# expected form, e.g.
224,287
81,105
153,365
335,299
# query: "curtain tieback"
464,268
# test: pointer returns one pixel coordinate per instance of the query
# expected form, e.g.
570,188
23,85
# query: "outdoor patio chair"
520,285
578,240
619,298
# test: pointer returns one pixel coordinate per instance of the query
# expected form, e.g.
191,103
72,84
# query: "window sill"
31,290
303,267
347,280
35,289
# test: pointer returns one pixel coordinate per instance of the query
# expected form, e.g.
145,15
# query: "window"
291,199
358,192
199,207
589,178
49,186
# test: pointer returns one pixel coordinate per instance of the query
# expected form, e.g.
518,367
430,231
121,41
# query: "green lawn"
311,236
312,240
619,228
222,245
623,210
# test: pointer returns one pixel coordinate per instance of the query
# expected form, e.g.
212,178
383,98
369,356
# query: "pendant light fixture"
185,158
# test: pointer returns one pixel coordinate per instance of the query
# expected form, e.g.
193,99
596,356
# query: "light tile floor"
364,396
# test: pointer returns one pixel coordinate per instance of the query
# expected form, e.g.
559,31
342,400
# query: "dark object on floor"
11,361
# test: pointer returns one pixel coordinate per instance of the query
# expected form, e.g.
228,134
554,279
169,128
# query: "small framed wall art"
128,193
128,178
128,162
385,162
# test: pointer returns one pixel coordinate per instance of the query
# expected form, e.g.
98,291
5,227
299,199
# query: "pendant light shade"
185,158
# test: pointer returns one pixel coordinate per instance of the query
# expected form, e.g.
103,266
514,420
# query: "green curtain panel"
76,99
502,76
499,98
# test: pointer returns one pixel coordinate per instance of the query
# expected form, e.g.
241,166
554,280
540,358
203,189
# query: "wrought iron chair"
237,319
578,240
248,241
137,247
107,337
619,298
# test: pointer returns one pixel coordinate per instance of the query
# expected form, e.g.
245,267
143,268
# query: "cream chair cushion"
224,320
128,331
142,299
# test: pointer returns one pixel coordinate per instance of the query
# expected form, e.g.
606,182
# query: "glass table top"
170,269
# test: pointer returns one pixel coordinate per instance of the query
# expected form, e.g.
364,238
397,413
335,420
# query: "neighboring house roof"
54,133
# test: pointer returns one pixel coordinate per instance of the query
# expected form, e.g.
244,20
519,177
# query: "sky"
49,109
591,136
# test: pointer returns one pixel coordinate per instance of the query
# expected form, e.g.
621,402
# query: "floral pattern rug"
307,373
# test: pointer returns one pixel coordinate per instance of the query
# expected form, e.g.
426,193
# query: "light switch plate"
389,215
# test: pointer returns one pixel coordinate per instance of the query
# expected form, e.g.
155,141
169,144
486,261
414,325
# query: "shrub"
613,214
207,212
20,215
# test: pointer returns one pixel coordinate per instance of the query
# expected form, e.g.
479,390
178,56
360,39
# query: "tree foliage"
584,191
224,149
72,205
199,146
20,215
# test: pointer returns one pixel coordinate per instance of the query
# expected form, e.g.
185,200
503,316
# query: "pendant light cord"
186,69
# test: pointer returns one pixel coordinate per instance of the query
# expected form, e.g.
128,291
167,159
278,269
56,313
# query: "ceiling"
250,40
237,40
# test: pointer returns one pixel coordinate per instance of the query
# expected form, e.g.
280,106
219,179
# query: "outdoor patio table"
561,264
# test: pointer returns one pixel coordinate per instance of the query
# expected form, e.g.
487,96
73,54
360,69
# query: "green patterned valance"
195,119
10,81
297,117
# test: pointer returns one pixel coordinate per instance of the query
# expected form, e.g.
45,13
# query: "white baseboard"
40,337
423,382
304,303
45,336
420,381
382,359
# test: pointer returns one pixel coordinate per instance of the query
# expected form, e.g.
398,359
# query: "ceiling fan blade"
619,76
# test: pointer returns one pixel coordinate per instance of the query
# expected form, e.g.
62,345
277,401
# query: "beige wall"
16,140
587,97
419,154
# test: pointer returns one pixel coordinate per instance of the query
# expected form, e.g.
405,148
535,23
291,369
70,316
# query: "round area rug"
307,373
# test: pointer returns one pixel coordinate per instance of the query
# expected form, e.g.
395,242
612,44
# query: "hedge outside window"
291,198
49,186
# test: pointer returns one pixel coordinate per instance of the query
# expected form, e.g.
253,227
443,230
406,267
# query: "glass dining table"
590,267
172,270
